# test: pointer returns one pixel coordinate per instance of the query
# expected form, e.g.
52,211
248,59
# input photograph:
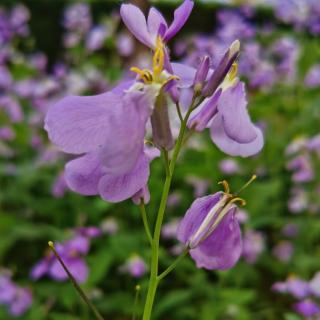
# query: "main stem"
153,281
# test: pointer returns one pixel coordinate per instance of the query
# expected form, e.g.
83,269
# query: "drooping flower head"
211,231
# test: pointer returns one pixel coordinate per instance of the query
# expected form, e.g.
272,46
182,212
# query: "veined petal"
116,188
222,249
80,124
195,216
181,15
232,147
83,174
135,21
124,144
185,73
236,120
155,20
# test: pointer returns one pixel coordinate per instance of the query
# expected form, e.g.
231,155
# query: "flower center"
157,74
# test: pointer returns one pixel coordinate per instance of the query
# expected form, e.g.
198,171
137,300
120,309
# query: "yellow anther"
233,71
225,185
145,75
241,201
158,58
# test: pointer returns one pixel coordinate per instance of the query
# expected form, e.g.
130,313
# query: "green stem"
173,265
75,283
153,281
145,221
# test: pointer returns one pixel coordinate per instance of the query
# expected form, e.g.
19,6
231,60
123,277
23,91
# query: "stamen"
233,71
145,75
254,177
241,201
225,185
158,58
75,283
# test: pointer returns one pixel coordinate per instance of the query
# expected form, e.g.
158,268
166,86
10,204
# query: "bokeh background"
49,49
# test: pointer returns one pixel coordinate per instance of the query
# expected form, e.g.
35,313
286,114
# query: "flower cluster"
17,299
303,154
72,253
305,291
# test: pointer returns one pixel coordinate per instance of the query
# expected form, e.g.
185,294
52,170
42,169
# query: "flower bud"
222,70
200,121
161,131
201,74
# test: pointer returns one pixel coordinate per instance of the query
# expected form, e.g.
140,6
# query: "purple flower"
231,128
135,266
290,230
147,31
169,230
71,252
96,38
225,111
314,285
307,308
212,232
229,166
125,44
283,251
21,302
7,289
253,245
312,79
109,129
298,288
59,186
77,17
17,299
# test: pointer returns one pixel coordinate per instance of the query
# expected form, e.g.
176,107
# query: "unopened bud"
222,70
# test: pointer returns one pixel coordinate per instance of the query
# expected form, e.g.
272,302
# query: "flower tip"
234,48
50,244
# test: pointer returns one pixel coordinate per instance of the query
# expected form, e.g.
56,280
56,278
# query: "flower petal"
155,20
185,73
135,21
79,124
83,174
124,143
236,120
116,188
222,249
77,267
232,147
195,216
181,15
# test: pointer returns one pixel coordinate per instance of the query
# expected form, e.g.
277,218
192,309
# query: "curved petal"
83,174
195,216
222,249
232,147
77,267
39,269
124,145
79,124
116,188
181,15
135,21
155,20
232,106
185,73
